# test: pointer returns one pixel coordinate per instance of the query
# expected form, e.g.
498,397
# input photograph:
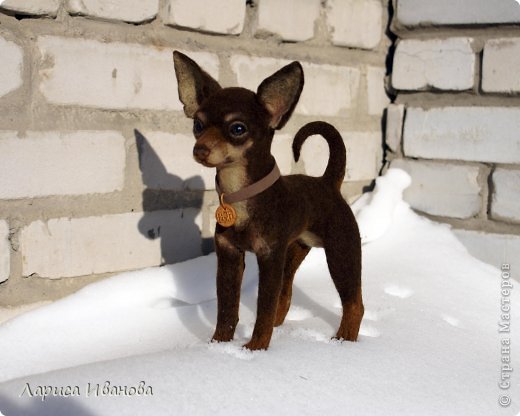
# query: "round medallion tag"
225,214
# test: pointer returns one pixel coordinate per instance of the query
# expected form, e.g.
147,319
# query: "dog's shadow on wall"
171,207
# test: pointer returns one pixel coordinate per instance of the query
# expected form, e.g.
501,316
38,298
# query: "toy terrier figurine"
279,218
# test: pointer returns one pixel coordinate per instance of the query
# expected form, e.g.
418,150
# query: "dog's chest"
242,214
231,180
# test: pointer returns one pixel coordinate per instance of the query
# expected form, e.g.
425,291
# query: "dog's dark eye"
197,126
237,129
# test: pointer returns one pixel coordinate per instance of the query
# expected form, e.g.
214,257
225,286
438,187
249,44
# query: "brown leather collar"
251,190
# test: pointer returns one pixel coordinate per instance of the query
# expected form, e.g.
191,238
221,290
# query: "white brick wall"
376,94
5,251
364,155
501,65
442,189
223,16
12,66
329,90
460,12
455,68
506,196
167,163
355,23
494,249
447,64
112,75
54,163
32,7
394,126
281,149
65,247
485,134
291,20
134,11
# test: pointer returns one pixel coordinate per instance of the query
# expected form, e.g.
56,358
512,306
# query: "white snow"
429,342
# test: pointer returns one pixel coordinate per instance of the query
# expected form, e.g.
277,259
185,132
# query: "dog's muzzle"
200,152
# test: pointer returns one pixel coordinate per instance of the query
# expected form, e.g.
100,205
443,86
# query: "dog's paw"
346,334
341,339
255,345
221,337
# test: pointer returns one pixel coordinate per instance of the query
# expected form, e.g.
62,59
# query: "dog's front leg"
270,267
230,269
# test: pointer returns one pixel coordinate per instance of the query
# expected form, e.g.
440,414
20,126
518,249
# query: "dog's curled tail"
335,171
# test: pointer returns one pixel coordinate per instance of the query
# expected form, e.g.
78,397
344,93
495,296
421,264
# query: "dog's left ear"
280,93
195,85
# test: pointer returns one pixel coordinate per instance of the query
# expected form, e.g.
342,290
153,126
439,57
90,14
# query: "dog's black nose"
200,152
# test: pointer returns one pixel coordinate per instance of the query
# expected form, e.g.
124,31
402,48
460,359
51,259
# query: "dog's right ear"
194,84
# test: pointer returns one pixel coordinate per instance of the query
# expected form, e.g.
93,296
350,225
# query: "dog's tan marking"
224,242
201,116
260,246
351,321
310,239
232,116
237,153
231,179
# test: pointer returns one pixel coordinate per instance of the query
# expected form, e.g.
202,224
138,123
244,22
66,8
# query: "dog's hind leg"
343,251
296,253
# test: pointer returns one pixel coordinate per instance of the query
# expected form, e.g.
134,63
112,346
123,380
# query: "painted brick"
212,219
355,23
377,98
447,64
112,75
364,155
485,134
11,67
32,7
134,11
110,243
55,163
460,12
329,90
501,65
224,16
506,196
166,162
272,18
394,126
5,249
442,189
495,249
281,149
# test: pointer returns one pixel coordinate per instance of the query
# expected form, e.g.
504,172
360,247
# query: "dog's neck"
234,177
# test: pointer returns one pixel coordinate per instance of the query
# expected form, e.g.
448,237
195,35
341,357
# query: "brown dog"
277,218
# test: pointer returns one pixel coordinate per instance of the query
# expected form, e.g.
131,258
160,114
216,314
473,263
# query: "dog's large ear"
280,93
195,85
